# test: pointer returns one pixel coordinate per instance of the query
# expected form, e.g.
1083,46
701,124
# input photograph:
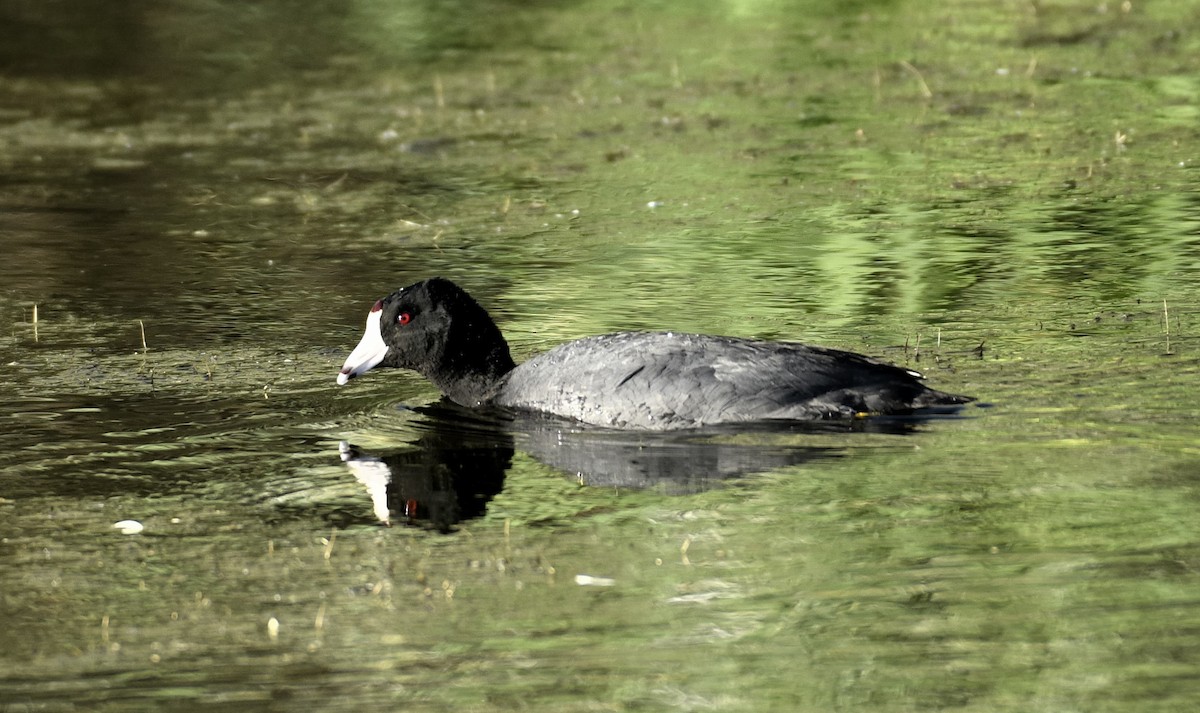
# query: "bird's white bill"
370,351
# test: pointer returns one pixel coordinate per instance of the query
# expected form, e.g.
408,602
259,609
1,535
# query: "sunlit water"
202,209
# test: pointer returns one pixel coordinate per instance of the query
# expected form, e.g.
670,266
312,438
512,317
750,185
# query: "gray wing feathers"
665,380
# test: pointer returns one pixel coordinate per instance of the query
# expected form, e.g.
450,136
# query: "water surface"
203,201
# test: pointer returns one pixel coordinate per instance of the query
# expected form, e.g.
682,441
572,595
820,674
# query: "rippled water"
203,202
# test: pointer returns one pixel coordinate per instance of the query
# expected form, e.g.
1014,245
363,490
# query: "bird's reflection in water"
458,461
447,475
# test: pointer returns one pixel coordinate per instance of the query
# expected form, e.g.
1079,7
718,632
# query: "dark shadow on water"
458,462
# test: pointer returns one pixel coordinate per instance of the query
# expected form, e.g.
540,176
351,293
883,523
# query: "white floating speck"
587,580
654,204
273,627
699,598
129,527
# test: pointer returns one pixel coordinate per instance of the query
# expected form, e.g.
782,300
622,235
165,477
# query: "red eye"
404,318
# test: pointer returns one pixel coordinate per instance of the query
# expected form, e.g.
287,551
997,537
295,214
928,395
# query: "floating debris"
129,527
587,580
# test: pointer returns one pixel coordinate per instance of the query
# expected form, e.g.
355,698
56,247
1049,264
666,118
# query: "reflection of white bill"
374,474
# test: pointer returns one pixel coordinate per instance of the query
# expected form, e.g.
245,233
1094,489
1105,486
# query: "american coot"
635,380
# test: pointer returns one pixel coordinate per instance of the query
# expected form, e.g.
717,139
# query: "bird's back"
663,380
